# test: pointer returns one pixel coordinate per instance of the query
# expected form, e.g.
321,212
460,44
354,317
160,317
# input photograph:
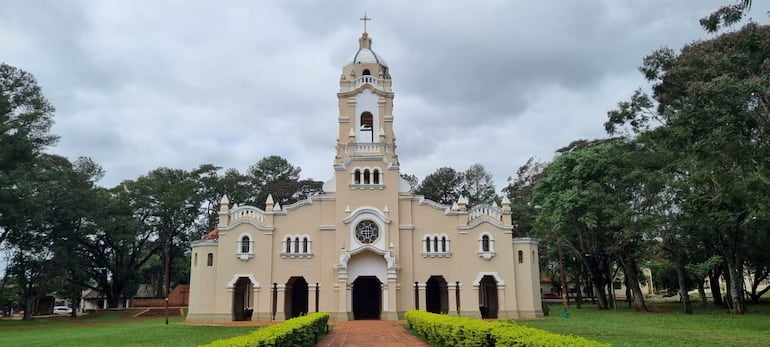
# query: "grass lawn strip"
623,327
112,329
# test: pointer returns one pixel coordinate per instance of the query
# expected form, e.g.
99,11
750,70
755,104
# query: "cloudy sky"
143,84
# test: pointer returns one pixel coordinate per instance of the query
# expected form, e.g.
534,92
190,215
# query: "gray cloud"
143,84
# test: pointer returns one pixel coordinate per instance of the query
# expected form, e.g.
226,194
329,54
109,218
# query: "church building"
367,248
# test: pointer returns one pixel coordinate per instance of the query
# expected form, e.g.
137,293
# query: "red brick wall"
178,297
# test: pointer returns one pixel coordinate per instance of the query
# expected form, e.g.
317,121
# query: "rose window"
367,232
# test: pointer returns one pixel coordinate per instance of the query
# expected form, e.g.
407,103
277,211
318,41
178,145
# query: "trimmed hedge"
300,331
444,330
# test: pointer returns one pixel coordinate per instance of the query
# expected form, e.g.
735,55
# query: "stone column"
280,315
342,295
311,297
389,290
502,310
423,301
416,294
452,298
255,304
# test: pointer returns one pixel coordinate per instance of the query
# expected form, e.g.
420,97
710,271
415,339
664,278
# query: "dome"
365,54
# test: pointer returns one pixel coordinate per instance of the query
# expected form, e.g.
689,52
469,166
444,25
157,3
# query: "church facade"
367,248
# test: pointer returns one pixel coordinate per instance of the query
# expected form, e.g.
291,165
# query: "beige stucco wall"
396,257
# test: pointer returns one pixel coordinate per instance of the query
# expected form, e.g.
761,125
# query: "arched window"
210,259
485,243
357,177
245,244
443,244
288,244
521,257
367,176
366,72
435,243
296,245
427,244
376,176
305,248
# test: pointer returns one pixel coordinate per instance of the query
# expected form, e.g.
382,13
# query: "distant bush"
301,331
446,330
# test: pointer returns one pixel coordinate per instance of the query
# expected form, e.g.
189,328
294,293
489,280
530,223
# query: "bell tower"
365,103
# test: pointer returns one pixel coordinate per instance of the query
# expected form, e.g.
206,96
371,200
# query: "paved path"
364,333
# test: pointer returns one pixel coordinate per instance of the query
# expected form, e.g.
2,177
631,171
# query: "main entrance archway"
488,297
436,295
367,297
242,299
295,301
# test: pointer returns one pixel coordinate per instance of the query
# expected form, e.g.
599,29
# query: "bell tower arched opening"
367,126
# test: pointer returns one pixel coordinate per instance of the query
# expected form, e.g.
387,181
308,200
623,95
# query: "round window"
367,232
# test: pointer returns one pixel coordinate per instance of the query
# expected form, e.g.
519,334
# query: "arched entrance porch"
488,301
243,299
295,301
436,295
367,297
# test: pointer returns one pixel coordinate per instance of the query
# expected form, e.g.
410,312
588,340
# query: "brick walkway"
386,333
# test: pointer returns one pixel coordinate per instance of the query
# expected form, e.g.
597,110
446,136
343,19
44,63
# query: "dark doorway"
436,295
488,297
242,299
295,301
367,297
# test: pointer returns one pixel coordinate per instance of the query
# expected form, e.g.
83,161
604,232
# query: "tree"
412,180
171,197
478,185
589,200
47,224
726,16
72,198
520,192
443,186
275,176
713,99
119,242
25,120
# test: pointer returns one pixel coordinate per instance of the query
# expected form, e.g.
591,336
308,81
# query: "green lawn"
667,326
111,329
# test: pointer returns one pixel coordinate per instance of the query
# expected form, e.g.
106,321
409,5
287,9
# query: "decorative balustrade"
249,212
365,148
493,212
366,79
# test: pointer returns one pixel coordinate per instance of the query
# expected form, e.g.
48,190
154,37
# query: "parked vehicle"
62,310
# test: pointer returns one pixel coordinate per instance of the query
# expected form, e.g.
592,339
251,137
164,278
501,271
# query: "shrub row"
300,331
446,330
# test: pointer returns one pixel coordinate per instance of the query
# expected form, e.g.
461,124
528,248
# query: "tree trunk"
598,286
716,291
610,289
632,283
579,290
736,284
729,294
682,277
166,268
75,292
